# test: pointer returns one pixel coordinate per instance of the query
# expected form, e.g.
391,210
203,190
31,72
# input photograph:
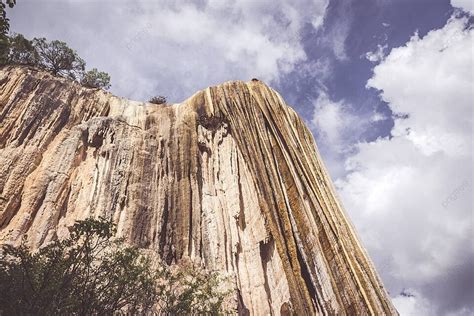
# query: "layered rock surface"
230,178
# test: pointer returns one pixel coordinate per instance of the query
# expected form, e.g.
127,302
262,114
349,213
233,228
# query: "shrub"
22,51
55,57
186,289
96,79
90,273
159,99
85,274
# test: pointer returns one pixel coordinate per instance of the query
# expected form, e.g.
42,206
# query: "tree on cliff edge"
4,29
59,59
22,51
96,79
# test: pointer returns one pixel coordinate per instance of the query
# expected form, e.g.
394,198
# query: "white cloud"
377,117
377,55
331,120
336,38
334,33
338,127
160,47
411,195
425,78
411,303
466,5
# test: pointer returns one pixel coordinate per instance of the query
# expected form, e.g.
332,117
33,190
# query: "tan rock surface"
230,178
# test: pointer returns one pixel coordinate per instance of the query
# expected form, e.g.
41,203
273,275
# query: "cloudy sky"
386,86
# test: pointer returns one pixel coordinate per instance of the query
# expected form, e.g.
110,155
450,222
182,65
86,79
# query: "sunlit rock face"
230,178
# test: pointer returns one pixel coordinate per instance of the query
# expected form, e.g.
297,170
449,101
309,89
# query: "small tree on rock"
59,59
159,99
96,79
22,51
4,29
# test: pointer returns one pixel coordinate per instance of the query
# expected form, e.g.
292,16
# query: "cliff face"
230,178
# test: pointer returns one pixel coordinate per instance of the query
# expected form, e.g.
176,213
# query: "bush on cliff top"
159,99
55,57
96,79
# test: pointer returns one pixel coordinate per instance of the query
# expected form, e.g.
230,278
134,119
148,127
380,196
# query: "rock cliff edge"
230,178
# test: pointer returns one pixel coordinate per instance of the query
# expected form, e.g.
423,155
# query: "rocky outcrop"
229,178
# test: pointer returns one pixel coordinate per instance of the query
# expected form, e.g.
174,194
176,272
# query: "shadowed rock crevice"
266,252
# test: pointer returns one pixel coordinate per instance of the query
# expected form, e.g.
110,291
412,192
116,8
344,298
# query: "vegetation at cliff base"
93,273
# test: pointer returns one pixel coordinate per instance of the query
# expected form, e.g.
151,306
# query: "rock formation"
230,178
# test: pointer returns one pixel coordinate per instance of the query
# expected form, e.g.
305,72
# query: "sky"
386,87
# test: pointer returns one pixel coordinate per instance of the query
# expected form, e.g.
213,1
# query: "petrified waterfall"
230,178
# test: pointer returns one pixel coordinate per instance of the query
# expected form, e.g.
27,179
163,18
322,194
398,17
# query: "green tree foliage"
159,99
22,51
85,274
96,79
55,57
188,290
90,273
4,29
59,59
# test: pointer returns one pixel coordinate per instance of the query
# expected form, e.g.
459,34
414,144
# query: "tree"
59,59
86,274
159,99
90,273
96,79
4,29
22,51
55,57
186,289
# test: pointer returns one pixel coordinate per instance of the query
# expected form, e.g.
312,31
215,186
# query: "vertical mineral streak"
230,178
